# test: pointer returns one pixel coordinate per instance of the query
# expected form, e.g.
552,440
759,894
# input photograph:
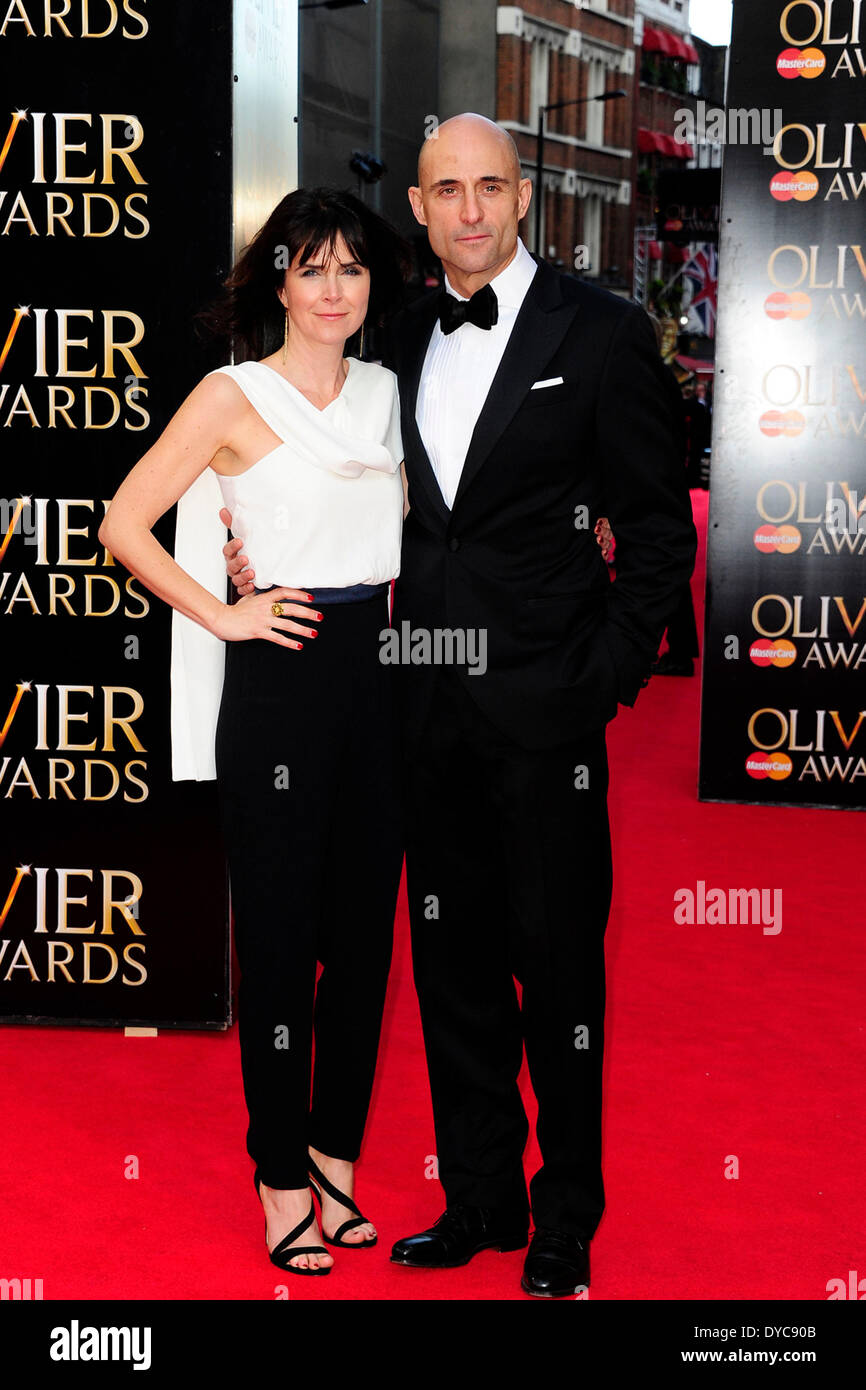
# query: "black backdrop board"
85,687
784,714
687,206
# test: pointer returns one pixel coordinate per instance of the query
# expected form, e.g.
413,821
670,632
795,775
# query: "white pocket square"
551,381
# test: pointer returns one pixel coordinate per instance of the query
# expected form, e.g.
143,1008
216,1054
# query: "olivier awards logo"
837,150
834,395
828,515
828,631
54,924
71,743
51,561
812,745
67,173
52,352
823,37
83,19
807,278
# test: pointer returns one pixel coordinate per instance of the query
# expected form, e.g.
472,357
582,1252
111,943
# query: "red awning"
677,149
648,142
659,41
680,149
658,142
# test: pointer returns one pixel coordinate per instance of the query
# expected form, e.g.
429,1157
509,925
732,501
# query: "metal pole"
377,95
539,178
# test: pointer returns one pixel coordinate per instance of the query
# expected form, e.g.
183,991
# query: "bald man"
532,403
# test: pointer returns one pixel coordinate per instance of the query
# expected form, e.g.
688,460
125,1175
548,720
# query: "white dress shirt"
458,372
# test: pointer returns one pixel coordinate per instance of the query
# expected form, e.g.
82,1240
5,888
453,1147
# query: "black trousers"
308,781
682,628
509,876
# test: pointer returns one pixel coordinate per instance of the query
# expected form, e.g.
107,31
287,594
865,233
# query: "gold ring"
277,610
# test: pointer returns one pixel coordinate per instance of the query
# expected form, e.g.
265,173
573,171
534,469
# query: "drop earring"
361,349
286,338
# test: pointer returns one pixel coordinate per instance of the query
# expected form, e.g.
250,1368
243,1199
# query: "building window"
592,231
595,109
658,70
539,78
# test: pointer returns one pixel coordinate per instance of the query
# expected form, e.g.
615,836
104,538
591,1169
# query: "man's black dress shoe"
556,1265
458,1235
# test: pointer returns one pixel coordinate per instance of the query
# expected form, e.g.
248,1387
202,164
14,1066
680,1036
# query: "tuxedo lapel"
419,324
544,319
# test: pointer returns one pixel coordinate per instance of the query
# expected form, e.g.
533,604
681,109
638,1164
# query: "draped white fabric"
323,507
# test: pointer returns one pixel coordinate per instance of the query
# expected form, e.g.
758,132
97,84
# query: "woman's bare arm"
204,424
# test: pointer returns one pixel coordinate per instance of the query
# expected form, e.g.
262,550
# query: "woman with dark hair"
306,446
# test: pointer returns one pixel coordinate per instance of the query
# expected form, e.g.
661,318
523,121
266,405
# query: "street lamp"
539,161
368,167
330,4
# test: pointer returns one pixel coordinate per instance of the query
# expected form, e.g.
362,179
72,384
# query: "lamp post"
539,161
330,4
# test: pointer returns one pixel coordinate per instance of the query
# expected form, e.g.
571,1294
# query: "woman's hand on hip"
253,616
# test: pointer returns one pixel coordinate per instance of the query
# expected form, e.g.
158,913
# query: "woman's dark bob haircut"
251,318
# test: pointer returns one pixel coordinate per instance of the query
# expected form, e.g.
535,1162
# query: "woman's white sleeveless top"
324,507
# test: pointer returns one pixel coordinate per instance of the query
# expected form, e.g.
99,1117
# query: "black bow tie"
482,310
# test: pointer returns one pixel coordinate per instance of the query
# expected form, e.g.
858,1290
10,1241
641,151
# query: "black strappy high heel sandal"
338,1196
283,1252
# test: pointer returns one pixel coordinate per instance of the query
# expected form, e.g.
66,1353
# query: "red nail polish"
310,597
318,617
314,634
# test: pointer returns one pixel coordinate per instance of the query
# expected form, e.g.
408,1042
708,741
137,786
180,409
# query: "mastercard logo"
786,185
789,423
801,62
773,652
776,766
784,539
788,306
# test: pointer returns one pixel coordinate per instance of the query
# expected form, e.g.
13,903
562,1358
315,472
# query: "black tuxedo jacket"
516,555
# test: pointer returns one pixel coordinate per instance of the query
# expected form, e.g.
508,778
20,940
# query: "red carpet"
721,1042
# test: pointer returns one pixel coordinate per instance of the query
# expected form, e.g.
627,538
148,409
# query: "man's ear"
524,197
417,202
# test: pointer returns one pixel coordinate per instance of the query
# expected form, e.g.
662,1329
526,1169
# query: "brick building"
669,80
573,51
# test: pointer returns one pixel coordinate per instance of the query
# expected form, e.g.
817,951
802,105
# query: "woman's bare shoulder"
217,393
